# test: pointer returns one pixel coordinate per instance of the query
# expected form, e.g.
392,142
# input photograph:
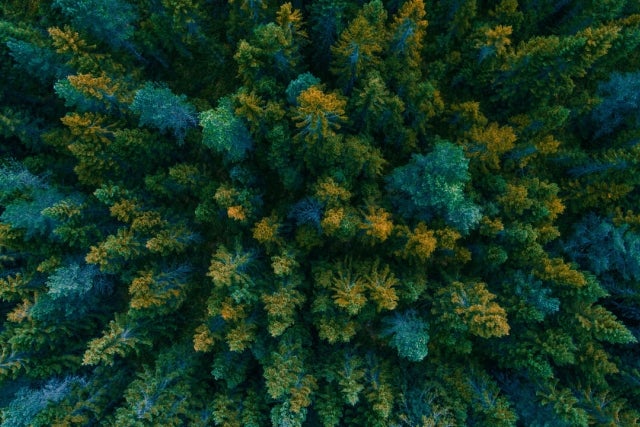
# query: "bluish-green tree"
162,395
612,253
307,211
73,290
16,179
160,108
409,334
74,98
534,294
40,62
433,185
225,133
110,22
29,402
620,103
26,213
327,19
298,85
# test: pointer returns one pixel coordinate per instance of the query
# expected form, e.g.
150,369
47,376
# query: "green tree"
225,133
433,185
359,46
409,335
162,395
108,22
162,109
28,402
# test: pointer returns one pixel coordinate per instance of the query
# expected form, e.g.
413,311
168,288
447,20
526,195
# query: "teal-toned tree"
409,335
433,185
109,22
225,133
160,108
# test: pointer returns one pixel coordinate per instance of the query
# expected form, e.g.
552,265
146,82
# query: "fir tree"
619,103
108,22
409,335
433,185
162,109
225,133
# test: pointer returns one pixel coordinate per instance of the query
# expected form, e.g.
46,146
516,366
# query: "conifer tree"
439,177
159,107
225,133
359,45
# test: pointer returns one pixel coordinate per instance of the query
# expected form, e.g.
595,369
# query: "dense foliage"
325,213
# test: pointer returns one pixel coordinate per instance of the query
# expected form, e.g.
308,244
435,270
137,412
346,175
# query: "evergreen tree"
108,22
433,185
162,109
225,133
620,101
409,335
359,45
28,403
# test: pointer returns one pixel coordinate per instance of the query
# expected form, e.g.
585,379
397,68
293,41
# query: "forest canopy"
319,213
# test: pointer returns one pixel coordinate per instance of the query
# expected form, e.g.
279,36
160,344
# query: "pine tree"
73,291
327,23
162,395
319,114
110,23
40,61
619,102
358,47
552,61
433,185
162,109
26,213
225,133
409,335
29,402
